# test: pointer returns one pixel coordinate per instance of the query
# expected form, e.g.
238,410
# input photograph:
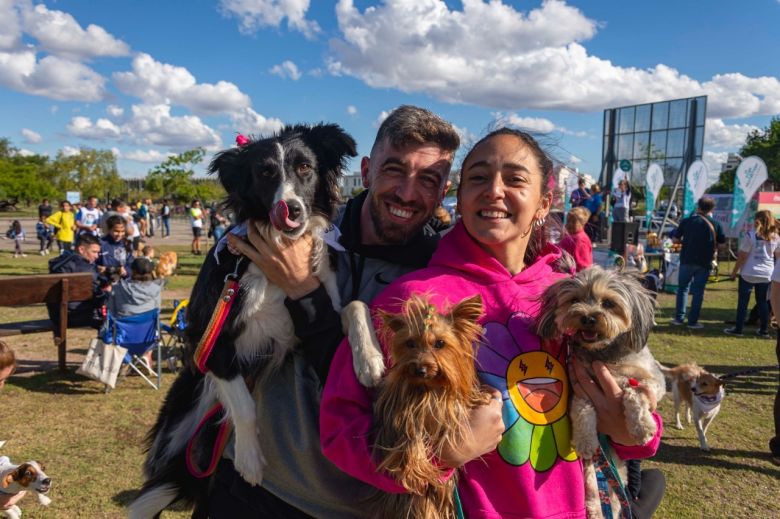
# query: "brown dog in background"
167,264
702,393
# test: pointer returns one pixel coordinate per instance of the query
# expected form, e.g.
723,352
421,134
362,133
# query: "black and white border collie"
288,184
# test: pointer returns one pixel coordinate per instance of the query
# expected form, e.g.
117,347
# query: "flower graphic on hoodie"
533,382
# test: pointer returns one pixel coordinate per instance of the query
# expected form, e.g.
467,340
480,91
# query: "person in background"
441,220
196,222
113,249
579,195
150,217
64,222
593,204
700,235
148,252
774,443
81,313
45,209
165,216
142,216
576,241
16,233
217,222
754,265
622,202
43,231
88,218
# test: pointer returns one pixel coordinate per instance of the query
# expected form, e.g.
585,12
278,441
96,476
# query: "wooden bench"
48,288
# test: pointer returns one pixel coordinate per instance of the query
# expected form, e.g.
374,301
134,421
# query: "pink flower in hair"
241,140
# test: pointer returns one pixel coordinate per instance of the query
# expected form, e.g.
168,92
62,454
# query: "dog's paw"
44,500
369,368
249,462
678,425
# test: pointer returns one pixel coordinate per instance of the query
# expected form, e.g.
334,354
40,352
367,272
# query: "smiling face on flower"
536,384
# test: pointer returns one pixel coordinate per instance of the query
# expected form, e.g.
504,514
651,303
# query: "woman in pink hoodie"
501,250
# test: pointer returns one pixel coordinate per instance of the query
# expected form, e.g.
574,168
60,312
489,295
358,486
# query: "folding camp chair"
139,334
172,334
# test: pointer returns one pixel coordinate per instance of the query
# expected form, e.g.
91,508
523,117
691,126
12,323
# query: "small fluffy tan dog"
606,316
700,391
166,266
28,477
423,403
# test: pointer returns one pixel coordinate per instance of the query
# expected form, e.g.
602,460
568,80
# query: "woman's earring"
539,222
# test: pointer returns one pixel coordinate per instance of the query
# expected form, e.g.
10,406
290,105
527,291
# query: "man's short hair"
87,239
413,125
113,220
706,204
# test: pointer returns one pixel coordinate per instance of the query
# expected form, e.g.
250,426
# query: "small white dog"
702,393
25,477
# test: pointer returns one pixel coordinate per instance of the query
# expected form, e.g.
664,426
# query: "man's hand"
487,427
607,398
286,264
9,500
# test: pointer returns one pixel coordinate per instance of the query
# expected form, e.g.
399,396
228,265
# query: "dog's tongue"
280,217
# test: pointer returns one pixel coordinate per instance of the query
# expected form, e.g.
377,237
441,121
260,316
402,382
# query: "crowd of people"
314,417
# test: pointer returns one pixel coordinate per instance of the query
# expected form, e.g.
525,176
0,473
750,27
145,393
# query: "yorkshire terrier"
424,401
605,316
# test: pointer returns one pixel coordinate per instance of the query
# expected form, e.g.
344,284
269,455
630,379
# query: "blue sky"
149,78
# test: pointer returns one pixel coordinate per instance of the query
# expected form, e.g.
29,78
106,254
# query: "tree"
92,172
766,144
173,177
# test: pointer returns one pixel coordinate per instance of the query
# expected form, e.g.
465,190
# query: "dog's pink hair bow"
241,140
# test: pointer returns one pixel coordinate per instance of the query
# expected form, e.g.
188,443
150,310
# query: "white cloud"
287,69
31,136
534,124
52,77
257,14
352,110
573,159
115,111
721,135
154,124
54,109
115,152
149,156
23,152
161,83
10,27
70,151
102,129
490,54
249,122
60,34
384,114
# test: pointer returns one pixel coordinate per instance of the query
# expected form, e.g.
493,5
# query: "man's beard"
391,233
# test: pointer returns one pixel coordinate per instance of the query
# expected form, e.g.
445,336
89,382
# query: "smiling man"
384,234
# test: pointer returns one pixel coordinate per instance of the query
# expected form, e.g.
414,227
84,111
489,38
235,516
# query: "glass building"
670,133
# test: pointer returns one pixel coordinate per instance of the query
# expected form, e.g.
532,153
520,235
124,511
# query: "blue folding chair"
139,334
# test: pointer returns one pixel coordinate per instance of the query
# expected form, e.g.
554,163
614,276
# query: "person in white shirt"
755,263
88,218
622,201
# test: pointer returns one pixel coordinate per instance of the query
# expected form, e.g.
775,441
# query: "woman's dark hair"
113,220
540,236
17,227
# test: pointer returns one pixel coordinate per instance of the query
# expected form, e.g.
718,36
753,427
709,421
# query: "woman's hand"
286,264
486,428
607,398
9,500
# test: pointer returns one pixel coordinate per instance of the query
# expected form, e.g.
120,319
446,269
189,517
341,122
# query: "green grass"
90,441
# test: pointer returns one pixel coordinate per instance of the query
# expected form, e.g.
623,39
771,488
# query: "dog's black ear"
545,323
230,167
333,147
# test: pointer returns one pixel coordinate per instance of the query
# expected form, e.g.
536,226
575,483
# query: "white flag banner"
695,185
751,173
654,181
617,177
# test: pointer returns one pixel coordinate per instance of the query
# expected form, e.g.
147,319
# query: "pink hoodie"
534,472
